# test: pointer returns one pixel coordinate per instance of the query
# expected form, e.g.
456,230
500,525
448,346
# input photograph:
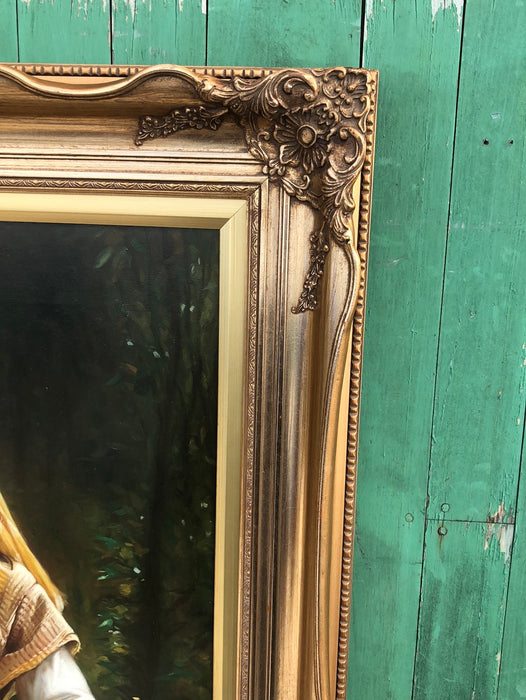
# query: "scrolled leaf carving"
188,118
319,248
310,129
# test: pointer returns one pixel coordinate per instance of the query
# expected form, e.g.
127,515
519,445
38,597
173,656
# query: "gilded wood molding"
296,145
126,71
310,128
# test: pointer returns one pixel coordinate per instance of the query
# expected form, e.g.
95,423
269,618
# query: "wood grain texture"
479,405
8,32
462,613
283,33
66,31
512,683
477,431
418,60
171,31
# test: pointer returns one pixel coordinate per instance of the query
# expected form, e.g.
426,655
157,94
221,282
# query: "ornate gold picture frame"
280,163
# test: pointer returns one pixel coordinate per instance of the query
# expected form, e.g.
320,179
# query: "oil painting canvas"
108,433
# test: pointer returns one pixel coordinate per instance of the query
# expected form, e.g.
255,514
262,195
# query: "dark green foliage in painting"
109,419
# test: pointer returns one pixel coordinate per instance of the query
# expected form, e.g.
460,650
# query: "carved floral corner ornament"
312,129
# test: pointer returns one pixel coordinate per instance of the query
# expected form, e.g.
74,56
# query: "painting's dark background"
108,413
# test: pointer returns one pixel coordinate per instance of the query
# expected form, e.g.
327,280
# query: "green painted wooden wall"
440,564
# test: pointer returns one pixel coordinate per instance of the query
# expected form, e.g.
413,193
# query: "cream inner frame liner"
230,217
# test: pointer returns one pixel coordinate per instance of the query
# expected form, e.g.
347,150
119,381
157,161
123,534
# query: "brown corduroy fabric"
31,627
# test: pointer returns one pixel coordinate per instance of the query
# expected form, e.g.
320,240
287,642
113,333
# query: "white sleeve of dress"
57,678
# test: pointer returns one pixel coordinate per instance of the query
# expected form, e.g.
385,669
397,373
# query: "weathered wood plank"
283,33
171,31
8,32
69,31
466,576
418,56
512,683
479,405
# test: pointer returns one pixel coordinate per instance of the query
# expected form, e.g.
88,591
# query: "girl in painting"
36,643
